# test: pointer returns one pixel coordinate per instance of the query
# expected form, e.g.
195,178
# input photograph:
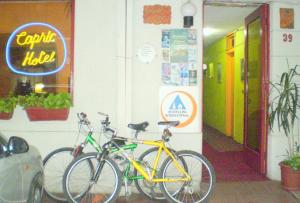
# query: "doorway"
229,85
226,94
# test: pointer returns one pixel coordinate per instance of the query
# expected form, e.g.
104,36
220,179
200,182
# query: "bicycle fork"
99,167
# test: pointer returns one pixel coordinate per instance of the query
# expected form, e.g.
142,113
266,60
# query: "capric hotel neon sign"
33,57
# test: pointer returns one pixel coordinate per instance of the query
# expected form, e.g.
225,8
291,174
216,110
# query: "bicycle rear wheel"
79,183
202,181
152,190
55,164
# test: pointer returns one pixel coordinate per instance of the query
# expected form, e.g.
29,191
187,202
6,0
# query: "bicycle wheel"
79,185
199,188
55,164
152,190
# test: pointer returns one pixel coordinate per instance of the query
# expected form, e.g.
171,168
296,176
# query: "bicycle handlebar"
108,129
105,123
83,118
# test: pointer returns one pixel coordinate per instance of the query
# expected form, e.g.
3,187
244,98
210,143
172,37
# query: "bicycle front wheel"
80,184
55,164
202,174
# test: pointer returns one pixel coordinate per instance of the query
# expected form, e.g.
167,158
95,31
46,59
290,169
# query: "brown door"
256,88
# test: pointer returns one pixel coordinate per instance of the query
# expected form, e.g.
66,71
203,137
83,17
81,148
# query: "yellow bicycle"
184,176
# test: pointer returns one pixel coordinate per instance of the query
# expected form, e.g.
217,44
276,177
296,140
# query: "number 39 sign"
287,37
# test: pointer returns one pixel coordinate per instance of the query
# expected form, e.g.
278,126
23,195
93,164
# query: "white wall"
107,75
109,78
145,79
280,52
95,79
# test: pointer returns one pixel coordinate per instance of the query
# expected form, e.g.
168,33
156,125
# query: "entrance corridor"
227,157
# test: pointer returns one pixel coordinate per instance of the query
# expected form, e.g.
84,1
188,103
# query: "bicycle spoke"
201,183
82,185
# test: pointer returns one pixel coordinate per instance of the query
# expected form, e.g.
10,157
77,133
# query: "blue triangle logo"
177,104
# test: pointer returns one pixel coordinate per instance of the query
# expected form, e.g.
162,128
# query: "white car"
21,171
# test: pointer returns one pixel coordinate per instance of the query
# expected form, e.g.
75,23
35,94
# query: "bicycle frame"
89,139
132,146
144,175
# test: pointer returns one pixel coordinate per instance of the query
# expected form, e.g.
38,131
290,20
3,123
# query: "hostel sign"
180,105
28,51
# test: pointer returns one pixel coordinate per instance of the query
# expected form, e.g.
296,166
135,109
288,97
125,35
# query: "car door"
10,176
31,165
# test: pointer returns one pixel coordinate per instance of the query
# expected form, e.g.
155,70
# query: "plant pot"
5,116
42,114
290,179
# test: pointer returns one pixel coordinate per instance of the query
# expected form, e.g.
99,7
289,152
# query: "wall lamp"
188,10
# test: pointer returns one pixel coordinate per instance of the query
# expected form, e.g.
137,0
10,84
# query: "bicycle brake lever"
102,114
83,115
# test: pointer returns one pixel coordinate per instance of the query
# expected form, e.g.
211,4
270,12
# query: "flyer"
165,39
179,57
166,72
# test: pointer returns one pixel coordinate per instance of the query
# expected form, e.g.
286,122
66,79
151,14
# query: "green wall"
214,92
214,89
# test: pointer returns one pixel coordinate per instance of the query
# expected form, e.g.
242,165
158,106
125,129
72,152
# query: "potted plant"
7,106
283,113
44,107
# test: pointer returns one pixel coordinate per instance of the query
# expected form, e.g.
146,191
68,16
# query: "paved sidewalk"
252,192
233,192
297,195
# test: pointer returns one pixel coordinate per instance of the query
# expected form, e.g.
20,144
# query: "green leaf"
284,107
50,101
8,104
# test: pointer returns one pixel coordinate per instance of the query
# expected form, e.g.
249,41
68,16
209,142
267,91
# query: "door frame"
258,160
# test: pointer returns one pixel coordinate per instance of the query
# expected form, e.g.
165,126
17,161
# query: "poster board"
179,57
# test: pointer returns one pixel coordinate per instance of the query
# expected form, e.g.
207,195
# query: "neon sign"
32,57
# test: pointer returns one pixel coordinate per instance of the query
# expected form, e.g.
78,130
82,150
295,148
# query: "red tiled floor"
230,166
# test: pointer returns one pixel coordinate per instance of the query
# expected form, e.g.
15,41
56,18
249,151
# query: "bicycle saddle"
170,123
139,127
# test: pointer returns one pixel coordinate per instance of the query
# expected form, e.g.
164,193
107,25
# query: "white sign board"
146,53
181,104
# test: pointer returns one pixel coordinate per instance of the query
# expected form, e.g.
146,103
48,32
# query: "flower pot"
290,179
42,114
5,116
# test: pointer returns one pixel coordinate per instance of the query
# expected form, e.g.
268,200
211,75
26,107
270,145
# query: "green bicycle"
56,162
184,176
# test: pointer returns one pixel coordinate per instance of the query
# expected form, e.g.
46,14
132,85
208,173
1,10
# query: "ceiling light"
209,31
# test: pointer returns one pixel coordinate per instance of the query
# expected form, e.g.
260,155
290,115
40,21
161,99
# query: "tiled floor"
233,192
251,192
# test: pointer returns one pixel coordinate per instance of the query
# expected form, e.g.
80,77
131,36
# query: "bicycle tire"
82,188
142,185
185,189
56,191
